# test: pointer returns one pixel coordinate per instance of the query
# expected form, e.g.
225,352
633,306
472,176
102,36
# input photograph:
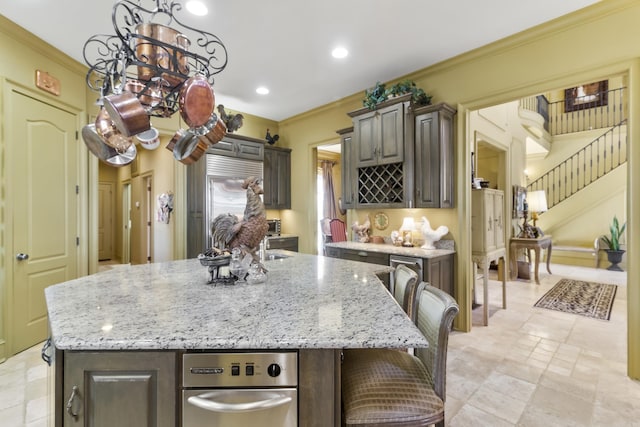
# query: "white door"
42,167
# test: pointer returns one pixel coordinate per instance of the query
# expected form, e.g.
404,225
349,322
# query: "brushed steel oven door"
267,407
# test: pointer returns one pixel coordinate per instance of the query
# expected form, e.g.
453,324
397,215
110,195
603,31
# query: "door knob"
22,257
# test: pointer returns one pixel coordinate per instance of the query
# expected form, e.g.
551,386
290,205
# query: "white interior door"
43,169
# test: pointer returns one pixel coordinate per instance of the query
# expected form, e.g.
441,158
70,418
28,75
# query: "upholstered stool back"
387,387
404,287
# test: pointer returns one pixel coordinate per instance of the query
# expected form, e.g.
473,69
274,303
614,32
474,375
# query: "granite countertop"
307,302
445,248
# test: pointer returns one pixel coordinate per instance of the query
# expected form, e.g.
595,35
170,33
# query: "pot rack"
113,58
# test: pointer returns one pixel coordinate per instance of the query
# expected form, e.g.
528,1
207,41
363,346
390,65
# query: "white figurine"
431,236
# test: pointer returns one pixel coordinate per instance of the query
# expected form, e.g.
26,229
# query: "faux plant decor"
616,231
380,93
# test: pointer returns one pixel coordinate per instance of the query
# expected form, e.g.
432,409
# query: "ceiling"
286,44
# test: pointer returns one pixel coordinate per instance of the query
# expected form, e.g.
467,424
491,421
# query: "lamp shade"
408,225
537,201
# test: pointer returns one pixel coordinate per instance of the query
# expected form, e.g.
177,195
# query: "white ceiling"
286,44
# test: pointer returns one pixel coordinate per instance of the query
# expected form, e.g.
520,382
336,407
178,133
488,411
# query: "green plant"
375,95
616,231
379,93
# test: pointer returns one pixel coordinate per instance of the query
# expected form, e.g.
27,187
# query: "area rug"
577,297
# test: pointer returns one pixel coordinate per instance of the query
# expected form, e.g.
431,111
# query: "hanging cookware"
217,129
187,147
149,95
106,128
104,152
127,113
196,101
149,139
159,47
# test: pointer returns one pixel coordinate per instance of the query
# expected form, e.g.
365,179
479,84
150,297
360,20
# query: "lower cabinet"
124,389
438,272
289,243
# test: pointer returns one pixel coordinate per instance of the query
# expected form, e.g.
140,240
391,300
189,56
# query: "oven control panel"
264,369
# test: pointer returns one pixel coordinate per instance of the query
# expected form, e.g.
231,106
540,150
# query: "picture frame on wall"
590,95
519,197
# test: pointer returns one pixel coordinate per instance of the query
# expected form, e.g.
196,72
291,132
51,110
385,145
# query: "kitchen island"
155,313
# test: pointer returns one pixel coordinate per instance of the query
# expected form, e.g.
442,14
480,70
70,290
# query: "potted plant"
614,253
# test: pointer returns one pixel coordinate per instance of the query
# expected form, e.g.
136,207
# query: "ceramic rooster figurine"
362,230
228,232
431,236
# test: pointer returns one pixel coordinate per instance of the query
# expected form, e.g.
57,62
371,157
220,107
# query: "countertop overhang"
387,248
308,301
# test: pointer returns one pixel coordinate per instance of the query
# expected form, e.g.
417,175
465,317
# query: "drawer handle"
361,253
205,401
74,393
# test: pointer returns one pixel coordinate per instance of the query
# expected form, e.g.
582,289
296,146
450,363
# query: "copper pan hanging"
196,101
104,152
187,147
216,129
106,128
127,112
161,48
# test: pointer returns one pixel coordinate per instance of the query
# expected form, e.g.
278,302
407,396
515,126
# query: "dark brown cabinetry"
289,243
382,155
277,178
119,389
434,175
348,169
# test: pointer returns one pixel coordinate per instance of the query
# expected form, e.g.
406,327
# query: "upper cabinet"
399,156
277,178
239,146
382,153
380,134
348,169
434,156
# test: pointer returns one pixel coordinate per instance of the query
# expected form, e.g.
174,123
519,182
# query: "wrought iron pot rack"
154,70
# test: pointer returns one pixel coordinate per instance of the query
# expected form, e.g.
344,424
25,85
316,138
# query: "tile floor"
530,367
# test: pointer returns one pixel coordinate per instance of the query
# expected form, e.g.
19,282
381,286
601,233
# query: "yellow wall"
552,56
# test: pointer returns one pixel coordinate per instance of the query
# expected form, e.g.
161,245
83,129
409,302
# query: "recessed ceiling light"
262,90
197,7
339,52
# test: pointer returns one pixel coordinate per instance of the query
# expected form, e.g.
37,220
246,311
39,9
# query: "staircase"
588,187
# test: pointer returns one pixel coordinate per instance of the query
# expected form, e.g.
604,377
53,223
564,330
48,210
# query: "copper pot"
168,54
104,152
106,128
216,129
196,101
127,113
149,96
187,147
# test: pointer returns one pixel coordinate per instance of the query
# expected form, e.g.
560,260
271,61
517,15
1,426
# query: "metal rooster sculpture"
229,232
232,121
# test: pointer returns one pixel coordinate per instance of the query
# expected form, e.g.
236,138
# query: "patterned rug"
577,297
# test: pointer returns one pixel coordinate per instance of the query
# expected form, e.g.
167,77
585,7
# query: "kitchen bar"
313,305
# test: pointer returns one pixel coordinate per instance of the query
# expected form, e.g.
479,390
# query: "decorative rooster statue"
362,230
228,232
431,236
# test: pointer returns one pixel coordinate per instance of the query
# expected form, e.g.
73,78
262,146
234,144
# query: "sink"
275,255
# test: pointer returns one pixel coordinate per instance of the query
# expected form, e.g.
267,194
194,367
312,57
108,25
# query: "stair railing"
588,164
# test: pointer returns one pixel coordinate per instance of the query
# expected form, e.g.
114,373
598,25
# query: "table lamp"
408,226
537,201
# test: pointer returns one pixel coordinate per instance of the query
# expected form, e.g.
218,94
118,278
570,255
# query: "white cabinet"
487,220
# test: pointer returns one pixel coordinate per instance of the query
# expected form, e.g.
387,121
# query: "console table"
538,244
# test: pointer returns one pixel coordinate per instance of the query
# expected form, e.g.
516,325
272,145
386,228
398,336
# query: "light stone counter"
308,302
445,248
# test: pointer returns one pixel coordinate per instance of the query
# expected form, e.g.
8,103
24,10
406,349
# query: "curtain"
330,208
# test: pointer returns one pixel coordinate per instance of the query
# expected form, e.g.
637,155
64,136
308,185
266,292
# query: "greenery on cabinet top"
380,93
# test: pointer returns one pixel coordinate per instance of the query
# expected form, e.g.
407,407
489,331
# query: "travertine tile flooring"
530,367
538,367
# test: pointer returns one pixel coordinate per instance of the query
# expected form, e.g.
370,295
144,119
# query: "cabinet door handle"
22,257
490,224
45,351
74,393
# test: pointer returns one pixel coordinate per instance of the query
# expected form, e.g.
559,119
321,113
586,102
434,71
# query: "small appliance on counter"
274,227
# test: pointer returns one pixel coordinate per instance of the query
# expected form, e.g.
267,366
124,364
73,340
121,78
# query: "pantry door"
43,170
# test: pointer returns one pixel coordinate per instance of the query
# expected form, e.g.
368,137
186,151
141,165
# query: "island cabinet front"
124,389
